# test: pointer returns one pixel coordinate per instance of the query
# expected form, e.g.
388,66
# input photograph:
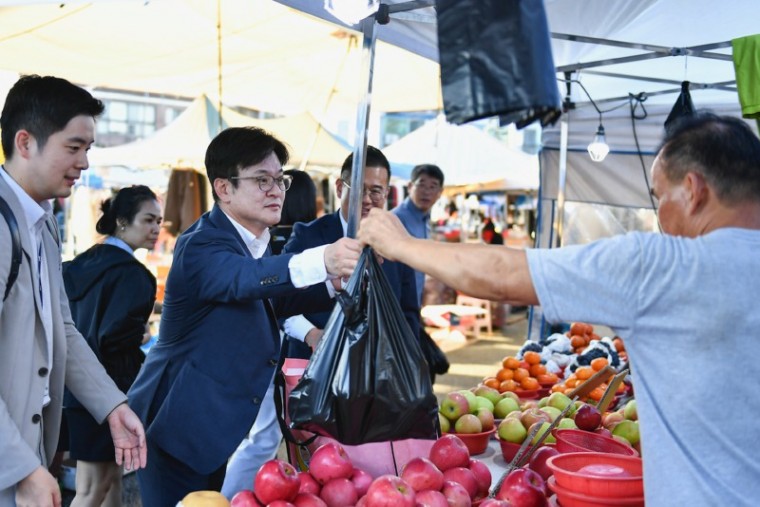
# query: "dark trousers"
166,480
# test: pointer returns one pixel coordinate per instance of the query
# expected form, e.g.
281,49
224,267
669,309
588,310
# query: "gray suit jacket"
28,433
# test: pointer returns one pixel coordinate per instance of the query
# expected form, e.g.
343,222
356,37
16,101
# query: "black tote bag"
368,380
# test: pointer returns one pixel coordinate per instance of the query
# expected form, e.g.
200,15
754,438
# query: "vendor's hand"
38,489
341,257
313,337
383,231
128,438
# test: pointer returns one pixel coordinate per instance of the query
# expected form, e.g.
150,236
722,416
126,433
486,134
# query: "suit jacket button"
42,371
36,418
257,400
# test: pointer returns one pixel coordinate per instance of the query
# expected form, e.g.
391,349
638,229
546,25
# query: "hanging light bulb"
598,149
351,12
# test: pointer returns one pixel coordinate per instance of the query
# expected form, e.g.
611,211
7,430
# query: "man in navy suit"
203,383
305,331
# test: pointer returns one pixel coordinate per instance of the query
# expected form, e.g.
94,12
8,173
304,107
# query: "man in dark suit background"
305,331
204,382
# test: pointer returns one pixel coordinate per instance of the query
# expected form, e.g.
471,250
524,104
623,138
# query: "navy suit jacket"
328,229
202,384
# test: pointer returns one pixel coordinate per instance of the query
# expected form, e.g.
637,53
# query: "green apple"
543,402
468,423
630,412
512,430
627,429
481,402
453,406
488,392
566,422
544,428
511,394
560,401
470,396
553,412
445,424
504,407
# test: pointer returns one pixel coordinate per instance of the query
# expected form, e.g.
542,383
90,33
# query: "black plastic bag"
496,59
367,381
436,359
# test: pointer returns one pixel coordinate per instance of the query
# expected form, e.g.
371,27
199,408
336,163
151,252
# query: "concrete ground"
471,360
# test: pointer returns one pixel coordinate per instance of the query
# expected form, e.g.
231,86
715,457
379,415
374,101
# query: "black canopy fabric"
496,60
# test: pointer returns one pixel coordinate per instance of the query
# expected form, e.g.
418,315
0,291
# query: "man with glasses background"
425,188
305,331
205,381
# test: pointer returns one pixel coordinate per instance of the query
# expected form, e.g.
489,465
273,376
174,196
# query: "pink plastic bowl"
598,474
569,498
572,440
476,443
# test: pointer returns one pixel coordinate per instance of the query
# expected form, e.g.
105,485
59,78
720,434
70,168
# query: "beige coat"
29,434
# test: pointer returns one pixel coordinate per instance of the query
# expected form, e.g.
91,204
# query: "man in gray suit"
47,124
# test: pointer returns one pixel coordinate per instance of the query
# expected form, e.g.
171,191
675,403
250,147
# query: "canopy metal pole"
559,217
362,124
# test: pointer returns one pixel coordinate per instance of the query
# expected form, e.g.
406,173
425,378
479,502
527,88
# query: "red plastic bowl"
572,440
528,394
509,449
617,476
476,443
569,498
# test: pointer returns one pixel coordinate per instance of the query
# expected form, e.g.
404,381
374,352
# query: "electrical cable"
634,101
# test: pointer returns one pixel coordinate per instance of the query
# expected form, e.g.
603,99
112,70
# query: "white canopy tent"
183,142
466,155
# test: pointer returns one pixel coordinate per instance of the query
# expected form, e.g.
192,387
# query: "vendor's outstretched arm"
484,271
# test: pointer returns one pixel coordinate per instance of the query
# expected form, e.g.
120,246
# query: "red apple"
280,503
308,484
456,495
448,452
482,475
330,462
588,417
463,476
389,491
431,498
421,474
338,493
276,480
487,421
603,431
361,480
532,416
538,459
308,500
362,502
495,502
523,488
244,498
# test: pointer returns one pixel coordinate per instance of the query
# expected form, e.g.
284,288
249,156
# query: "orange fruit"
505,374
546,378
558,388
520,374
529,384
491,382
599,363
584,372
537,369
510,362
532,357
507,385
577,341
596,394
618,343
577,328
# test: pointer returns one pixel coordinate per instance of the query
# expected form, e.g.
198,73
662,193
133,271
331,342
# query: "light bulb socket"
598,148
